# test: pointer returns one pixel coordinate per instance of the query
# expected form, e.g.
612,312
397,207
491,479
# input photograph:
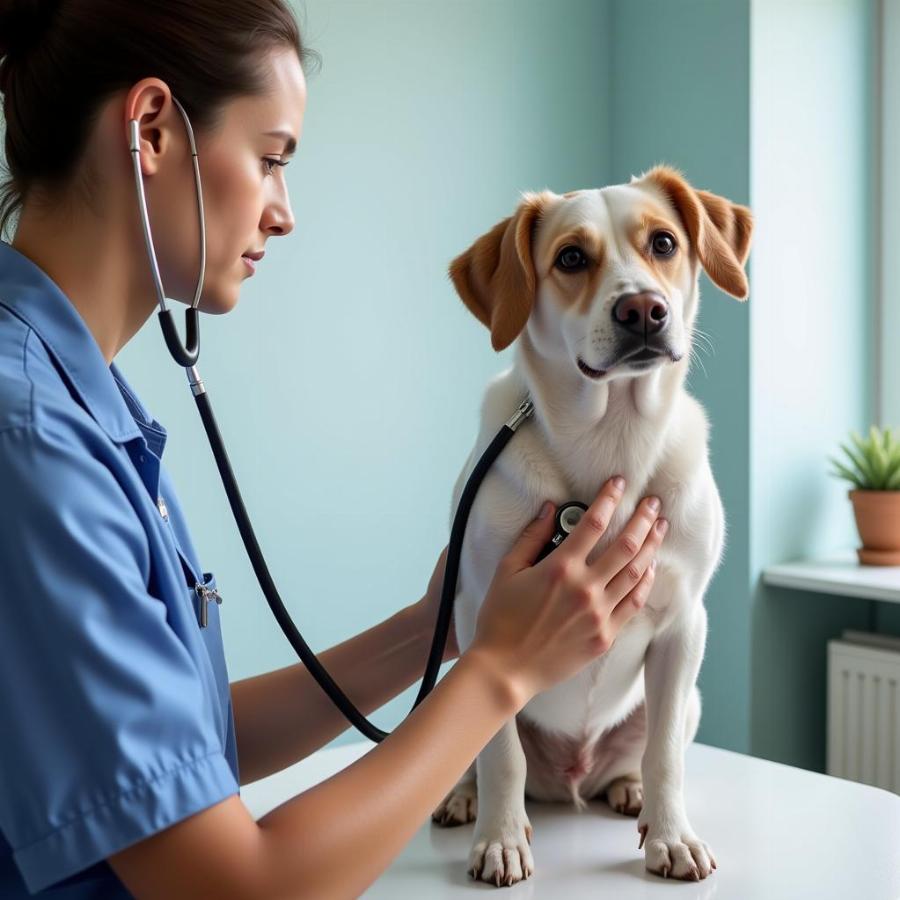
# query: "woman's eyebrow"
290,143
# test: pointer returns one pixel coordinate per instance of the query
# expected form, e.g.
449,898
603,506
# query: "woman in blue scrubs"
123,744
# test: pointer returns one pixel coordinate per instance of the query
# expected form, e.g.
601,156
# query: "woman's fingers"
620,554
595,520
633,601
633,571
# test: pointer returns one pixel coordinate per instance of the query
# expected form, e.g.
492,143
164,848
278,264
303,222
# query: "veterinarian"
123,744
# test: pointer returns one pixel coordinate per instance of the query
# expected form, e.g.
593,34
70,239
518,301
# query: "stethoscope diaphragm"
567,517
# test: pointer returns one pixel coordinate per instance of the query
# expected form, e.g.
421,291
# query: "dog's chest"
584,458
602,693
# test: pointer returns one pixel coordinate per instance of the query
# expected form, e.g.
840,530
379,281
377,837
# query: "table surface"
777,832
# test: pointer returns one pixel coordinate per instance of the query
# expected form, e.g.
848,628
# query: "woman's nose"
280,225
285,227
278,218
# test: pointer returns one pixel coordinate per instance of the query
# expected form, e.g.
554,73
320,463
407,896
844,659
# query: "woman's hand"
540,624
426,609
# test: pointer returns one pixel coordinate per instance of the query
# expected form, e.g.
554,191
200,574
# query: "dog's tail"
576,773
577,799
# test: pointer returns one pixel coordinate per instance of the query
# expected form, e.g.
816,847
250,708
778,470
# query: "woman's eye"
663,244
570,259
270,164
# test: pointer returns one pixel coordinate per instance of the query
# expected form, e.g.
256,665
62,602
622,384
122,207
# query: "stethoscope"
567,515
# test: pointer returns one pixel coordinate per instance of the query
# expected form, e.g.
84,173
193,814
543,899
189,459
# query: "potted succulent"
872,466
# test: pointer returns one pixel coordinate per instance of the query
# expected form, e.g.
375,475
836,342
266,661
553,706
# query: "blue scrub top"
115,708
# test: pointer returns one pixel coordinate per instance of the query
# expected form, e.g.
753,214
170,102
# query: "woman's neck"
92,263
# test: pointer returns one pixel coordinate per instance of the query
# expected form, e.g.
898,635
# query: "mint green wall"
811,367
348,380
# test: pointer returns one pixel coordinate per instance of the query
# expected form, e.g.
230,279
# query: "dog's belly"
560,767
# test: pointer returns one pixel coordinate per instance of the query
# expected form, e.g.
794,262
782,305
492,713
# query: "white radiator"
864,709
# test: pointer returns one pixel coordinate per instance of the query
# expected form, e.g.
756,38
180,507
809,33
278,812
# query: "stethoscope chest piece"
567,517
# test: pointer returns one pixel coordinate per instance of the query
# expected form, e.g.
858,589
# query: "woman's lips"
252,259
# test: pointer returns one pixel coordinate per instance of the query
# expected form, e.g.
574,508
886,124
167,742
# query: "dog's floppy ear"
719,229
495,277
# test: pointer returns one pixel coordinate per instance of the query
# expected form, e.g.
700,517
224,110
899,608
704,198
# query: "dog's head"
606,278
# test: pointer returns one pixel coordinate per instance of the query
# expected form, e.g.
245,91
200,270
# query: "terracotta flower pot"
878,522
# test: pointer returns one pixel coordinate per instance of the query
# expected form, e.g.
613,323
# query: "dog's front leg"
500,849
670,670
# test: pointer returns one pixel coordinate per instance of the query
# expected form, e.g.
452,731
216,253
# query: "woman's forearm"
336,838
283,716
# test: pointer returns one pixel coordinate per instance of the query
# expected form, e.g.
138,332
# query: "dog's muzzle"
642,320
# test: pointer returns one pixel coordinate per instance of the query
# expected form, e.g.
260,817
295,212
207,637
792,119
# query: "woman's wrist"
509,687
420,623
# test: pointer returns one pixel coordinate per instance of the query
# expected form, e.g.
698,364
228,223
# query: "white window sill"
839,573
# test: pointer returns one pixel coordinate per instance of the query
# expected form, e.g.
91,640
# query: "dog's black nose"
643,313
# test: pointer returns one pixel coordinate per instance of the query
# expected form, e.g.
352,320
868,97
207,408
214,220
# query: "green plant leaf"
893,448
880,464
861,445
860,463
893,466
866,452
845,473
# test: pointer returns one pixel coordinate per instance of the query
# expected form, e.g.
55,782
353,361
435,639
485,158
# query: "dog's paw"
459,807
626,796
675,852
501,854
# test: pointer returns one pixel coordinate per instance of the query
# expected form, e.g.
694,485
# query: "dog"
598,290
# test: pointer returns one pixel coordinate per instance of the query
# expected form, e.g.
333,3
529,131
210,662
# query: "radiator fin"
863,718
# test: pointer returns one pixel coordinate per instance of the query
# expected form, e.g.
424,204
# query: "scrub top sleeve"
107,735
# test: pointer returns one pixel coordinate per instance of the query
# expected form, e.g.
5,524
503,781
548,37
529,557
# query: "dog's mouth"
641,359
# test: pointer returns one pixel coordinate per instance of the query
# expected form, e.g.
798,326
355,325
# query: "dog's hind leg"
619,754
460,806
624,789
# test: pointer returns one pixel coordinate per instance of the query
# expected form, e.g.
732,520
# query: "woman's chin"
218,302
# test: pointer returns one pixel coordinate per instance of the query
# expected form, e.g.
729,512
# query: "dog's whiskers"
695,354
703,336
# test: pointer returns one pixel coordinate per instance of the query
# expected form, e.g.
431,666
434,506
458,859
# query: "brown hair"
61,59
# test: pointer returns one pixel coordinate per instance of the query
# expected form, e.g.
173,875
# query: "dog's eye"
663,244
570,259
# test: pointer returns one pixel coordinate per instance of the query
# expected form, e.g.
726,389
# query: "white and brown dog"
599,291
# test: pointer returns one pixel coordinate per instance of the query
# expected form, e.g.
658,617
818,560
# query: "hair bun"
23,23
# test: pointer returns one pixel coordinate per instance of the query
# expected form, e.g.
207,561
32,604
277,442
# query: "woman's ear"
495,277
720,230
